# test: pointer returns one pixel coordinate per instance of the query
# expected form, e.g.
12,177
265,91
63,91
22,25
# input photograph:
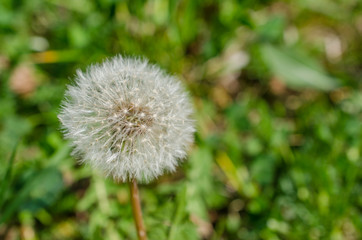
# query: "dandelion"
129,119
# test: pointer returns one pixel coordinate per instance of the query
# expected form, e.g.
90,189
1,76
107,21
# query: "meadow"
276,87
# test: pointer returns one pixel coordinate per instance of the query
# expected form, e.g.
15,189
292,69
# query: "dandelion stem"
137,212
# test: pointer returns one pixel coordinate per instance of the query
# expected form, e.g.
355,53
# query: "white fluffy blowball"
128,118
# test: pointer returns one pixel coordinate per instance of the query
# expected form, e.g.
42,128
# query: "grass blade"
5,182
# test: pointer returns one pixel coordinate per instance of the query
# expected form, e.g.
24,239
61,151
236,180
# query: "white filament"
128,118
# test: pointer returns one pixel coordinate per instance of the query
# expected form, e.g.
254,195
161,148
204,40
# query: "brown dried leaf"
22,80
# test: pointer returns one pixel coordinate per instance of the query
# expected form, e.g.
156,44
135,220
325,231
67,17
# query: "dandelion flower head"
128,118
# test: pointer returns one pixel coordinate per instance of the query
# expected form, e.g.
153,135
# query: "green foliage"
296,71
277,93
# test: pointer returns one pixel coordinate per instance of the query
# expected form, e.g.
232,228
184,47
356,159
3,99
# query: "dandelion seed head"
128,118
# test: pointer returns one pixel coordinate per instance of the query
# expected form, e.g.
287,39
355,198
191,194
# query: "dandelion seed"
128,118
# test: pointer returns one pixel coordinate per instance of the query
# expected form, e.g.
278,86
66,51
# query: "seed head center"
131,120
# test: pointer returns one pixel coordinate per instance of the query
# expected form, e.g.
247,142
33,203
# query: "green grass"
277,91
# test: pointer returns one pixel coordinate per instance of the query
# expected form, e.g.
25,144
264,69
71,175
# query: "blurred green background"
277,91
